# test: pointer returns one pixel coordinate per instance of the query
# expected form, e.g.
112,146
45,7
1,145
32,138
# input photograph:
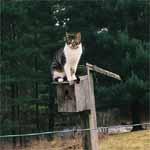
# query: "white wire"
71,130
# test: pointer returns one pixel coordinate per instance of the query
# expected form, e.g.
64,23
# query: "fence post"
92,115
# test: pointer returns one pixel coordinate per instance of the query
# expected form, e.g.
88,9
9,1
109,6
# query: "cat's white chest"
73,55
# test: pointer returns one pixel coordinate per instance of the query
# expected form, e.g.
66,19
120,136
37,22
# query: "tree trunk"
136,120
51,110
19,124
37,118
13,113
36,96
51,120
37,109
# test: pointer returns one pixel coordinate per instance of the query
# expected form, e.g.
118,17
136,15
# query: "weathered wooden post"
92,114
80,98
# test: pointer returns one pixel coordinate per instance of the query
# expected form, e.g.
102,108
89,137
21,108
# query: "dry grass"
57,144
43,144
127,141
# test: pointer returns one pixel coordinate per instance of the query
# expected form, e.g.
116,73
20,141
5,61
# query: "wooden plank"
73,98
92,115
66,98
82,94
103,71
66,82
86,140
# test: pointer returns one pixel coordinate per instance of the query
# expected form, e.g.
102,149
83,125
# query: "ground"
139,140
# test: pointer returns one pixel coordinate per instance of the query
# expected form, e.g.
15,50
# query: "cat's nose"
73,44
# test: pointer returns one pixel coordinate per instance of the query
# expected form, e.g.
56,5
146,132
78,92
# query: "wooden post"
103,71
92,114
80,98
85,124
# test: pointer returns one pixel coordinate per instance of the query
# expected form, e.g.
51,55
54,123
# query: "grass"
57,144
139,140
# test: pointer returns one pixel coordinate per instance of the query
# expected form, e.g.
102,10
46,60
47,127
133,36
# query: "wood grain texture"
74,98
103,71
92,114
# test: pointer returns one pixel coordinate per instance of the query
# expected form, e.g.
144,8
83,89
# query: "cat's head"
73,40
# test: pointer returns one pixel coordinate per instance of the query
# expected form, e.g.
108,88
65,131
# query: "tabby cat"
65,62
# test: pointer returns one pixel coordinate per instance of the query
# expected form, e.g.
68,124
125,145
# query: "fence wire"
100,129
71,139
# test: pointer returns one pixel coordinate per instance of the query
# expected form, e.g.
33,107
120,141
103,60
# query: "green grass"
139,140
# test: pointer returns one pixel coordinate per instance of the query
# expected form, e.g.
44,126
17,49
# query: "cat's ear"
78,36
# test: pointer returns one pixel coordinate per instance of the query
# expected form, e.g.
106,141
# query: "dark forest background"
115,36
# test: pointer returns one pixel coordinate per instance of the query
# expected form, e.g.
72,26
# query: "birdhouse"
80,98
73,98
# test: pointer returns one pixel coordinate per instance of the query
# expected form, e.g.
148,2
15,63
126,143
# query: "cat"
65,62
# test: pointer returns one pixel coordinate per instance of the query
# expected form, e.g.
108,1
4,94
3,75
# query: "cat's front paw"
74,77
60,80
